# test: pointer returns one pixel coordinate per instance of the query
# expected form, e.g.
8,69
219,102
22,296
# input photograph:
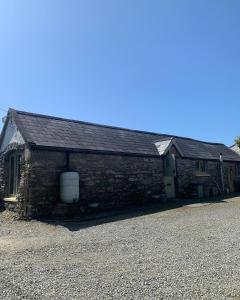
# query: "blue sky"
165,66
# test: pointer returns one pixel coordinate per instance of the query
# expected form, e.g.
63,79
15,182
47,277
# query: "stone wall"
45,169
115,180
230,186
110,180
23,197
2,181
188,178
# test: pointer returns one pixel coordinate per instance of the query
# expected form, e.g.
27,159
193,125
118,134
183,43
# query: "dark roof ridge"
109,126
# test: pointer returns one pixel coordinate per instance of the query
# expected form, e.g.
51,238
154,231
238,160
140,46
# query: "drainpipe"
221,172
67,161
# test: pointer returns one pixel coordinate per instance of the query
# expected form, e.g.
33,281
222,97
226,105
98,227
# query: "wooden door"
169,186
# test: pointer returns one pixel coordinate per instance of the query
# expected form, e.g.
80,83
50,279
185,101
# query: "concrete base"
10,203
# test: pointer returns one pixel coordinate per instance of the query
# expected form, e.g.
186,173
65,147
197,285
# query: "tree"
237,141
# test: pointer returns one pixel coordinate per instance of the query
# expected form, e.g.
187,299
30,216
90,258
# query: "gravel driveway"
192,252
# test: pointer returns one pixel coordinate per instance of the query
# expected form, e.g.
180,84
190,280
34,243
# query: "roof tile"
56,132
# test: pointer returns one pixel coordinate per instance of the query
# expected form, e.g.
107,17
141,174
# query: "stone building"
116,166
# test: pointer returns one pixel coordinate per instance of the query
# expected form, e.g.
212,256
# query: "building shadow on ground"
97,218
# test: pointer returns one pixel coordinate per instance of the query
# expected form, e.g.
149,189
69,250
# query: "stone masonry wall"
188,181
2,181
109,180
23,190
115,180
45,169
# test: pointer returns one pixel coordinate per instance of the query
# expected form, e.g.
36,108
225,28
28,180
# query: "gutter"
103,152
34,146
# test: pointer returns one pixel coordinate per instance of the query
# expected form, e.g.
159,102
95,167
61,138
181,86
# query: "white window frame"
13,186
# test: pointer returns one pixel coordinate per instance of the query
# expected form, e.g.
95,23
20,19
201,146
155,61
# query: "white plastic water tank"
69,187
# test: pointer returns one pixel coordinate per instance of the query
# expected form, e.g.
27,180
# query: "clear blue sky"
166,66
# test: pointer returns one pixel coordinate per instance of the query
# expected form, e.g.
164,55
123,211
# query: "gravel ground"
192,252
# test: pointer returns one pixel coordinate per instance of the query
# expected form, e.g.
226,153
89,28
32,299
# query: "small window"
201,166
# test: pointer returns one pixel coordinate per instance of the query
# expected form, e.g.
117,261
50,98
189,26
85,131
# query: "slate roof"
48,131
194,148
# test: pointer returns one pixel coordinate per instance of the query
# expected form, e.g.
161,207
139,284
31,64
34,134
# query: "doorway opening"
169,175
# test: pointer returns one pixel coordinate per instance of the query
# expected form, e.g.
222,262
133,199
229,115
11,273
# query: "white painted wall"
12,135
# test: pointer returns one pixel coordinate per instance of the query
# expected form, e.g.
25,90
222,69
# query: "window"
201,166
14,173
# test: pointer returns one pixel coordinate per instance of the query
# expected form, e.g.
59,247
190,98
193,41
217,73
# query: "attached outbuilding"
45,161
